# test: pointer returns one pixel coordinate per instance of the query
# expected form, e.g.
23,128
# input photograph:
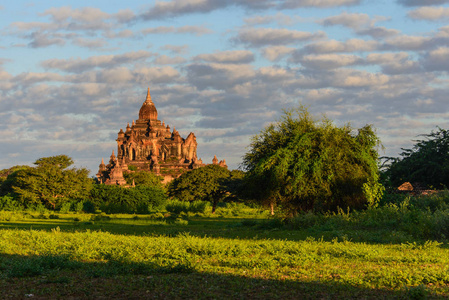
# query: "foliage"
422,217
49,183
132,168
301,164
8,203
334,254
206,184
116,199
8,178
143,178
177,207
426,163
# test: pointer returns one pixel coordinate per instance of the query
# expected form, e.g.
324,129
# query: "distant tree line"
299,163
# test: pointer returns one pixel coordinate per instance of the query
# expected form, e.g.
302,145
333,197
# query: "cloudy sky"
73,74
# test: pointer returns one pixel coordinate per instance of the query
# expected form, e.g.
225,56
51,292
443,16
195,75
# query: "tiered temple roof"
149,144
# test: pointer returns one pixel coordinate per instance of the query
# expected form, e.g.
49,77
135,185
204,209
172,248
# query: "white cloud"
351,20
351,78
407,42
86,18
235,56
279,18
330,61
197,30
429,13
80,65
318,3
333,46
274,53
378,32
437,60
257,37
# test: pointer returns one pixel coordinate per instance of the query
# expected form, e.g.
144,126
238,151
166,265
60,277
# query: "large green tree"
301,163
50,182
427,162
208,183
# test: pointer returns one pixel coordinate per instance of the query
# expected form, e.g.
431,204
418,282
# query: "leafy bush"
405,219
305,220
10,204
176,206
116,199
65,207
198,206
78,206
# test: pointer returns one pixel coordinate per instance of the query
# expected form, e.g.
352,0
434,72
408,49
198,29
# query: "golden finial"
148,96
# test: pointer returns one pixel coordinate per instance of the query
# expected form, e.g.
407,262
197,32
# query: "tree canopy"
426,163
143,178
304,164
207,183
49,183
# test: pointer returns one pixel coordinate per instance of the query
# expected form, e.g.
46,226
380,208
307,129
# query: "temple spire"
148,100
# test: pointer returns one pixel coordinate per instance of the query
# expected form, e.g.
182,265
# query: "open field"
208,257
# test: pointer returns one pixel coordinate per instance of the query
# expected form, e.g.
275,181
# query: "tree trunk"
214,205
272,208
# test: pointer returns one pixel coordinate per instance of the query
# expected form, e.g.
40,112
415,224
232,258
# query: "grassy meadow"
238,252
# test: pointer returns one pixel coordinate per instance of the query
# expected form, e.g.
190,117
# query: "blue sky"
73,74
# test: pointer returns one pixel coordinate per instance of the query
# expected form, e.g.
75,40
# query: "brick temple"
150,145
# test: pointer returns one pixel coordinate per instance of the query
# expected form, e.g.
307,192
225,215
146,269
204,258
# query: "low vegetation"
186,251
312,217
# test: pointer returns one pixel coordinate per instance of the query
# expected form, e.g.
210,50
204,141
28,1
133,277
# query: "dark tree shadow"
59,277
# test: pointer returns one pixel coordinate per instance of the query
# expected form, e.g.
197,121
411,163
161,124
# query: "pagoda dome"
148,110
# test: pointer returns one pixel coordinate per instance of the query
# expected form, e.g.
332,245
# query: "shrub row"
423,217
115,199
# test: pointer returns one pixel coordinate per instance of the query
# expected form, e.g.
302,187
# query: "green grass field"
231,254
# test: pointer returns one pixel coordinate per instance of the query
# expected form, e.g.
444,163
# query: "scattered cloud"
105,61
430,13
275,53
259,37
351,20
329,61
378,32
177,49
279,18
318,3
196,30
90,43
436,60
167,60
334,46
225,83
422,2
233,57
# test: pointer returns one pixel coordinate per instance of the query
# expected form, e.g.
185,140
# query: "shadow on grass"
58,276
220,227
